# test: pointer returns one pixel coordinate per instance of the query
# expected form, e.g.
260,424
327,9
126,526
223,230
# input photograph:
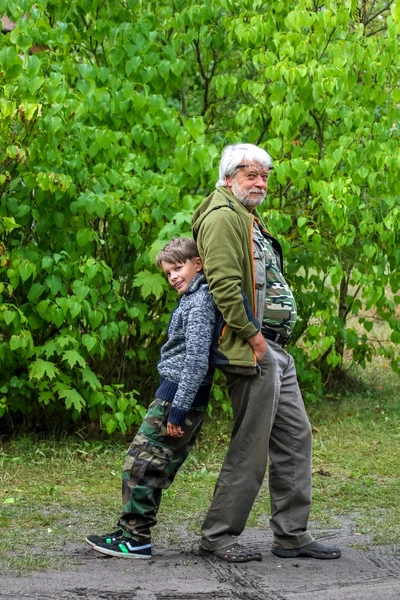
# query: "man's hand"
258,343
174,430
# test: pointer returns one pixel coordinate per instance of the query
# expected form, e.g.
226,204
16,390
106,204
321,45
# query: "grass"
55,492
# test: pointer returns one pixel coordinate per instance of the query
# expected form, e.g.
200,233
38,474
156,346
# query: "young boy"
174,419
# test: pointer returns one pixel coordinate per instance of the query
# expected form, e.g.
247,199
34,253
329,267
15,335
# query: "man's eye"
250,176
264,178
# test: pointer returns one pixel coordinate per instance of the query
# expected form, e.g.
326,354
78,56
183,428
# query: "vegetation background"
110,137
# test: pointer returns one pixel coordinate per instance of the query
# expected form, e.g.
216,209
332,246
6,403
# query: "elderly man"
243,264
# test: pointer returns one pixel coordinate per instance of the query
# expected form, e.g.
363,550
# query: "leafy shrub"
110,137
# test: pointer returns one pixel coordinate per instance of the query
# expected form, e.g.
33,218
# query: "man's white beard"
245,197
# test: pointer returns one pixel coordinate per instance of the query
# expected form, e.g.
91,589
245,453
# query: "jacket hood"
221,198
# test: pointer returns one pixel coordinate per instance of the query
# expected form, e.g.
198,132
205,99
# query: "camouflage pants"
150,466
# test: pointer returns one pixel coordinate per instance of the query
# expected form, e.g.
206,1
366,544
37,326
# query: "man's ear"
229,182
198,263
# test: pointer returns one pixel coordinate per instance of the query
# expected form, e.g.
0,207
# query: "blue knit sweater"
185,375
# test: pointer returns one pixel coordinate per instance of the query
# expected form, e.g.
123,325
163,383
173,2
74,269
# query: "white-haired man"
243,264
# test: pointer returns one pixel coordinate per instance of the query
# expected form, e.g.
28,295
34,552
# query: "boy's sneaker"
125,548
108,538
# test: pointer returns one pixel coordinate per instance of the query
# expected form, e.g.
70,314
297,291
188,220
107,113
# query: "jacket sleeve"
199,324
221,250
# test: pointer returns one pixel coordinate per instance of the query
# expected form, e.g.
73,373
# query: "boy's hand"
174,430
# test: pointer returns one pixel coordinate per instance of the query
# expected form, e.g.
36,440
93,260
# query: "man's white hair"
234,155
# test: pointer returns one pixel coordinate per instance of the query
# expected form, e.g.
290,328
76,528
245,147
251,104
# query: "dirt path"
361,574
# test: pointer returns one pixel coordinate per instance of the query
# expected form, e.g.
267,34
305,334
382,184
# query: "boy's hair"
178,250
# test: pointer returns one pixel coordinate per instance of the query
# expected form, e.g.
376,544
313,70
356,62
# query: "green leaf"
39,368
46,397
26,269
164,69
73,357
9,316
35,292
65,340
8,223
301,221
49,348
18,341
53,282
80,289
369,250
95,318
47,263
74,307
122,404
72,399
195,126
90,378
116,56
84,237
89,341
327,166
149,283
10,62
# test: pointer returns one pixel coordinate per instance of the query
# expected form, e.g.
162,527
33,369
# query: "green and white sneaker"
108,538
124,548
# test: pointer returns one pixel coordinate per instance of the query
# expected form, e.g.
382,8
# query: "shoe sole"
284,553
221,556
121,554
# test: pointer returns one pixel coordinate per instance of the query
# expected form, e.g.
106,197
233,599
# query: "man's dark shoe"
236,553
124,548
107,538
312,550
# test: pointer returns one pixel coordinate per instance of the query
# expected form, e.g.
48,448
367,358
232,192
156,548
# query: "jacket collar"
196,282
236,205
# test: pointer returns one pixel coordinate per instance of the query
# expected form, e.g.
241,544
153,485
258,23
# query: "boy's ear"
198,264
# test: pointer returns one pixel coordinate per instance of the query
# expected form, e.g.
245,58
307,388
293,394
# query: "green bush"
111,136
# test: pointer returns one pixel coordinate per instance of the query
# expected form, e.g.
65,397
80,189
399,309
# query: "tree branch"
327,42
370,19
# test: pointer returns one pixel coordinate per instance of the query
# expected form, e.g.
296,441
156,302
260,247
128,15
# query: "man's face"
249,184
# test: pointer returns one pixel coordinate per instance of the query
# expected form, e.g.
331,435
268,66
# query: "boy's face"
179,275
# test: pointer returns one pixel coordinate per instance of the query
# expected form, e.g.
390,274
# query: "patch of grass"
61,490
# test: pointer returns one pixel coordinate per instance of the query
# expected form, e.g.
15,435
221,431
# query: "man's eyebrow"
255,168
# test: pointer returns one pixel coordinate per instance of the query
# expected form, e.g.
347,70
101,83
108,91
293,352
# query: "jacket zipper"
254,276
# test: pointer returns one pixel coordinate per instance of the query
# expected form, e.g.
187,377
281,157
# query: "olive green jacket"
223,229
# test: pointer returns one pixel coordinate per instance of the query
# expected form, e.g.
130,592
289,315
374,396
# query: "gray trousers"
269,420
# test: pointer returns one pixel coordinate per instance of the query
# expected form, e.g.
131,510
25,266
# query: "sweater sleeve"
222,255
199,323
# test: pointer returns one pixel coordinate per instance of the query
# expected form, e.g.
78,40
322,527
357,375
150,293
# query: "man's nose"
260,182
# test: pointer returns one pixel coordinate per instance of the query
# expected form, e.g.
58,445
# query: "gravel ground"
363,573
